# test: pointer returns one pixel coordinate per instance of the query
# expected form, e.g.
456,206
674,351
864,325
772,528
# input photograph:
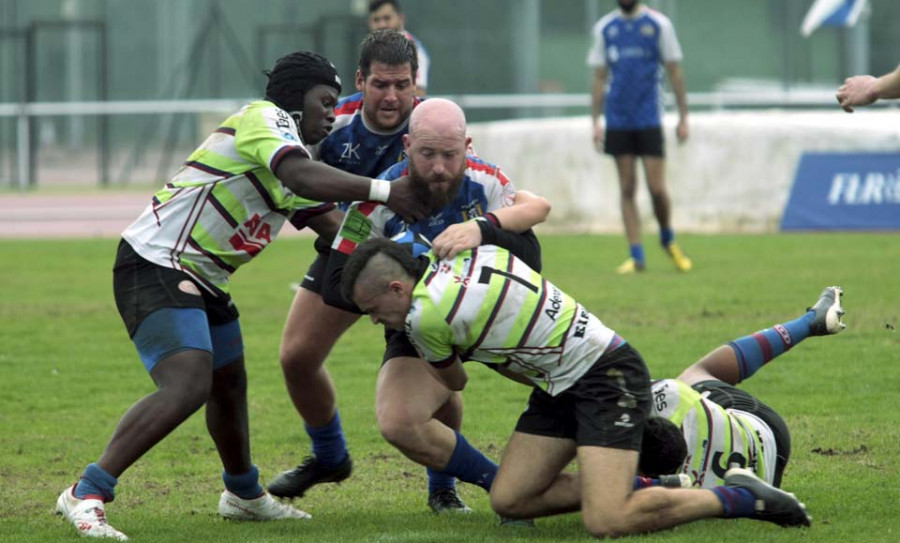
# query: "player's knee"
230,381
397,427
627,193
602,525
302,355
188,396
505,503
615,522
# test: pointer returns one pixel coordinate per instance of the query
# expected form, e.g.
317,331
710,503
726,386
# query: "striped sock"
737,502
758,349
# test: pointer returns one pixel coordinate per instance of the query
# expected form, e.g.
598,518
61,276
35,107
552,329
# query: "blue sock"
244,486
438,480
666,236
328,442
96,483
738,502
637,253
469,465
755,350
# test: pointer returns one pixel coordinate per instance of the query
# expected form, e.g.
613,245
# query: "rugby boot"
681,261
264,507
828,313
772,504
295,482
447,501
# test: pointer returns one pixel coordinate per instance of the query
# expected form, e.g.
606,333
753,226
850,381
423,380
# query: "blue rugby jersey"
484,188
635,49
357,148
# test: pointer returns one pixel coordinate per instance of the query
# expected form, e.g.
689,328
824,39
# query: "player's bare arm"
862,90
673,69
528,211
453,377
598,98
317,181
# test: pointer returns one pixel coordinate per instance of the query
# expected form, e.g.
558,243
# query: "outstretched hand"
860,90
456,239
404,201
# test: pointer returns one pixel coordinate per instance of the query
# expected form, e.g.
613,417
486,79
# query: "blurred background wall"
89,50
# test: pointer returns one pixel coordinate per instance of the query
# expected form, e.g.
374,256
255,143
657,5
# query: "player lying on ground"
703,425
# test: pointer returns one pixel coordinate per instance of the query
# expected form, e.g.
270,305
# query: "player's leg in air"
741,358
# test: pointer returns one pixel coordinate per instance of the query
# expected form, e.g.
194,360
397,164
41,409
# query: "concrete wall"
733,175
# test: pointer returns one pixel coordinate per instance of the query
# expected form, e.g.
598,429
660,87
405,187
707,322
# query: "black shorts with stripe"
607,407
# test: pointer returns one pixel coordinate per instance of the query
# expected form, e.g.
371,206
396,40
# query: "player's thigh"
312,328
651,148
529,466
606,478
407,393
654,171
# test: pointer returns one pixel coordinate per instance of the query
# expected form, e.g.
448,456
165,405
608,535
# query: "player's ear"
406,143
360,80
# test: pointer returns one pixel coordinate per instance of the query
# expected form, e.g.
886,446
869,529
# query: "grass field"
68,372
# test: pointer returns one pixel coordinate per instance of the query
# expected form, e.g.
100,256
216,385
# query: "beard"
433,197
627,6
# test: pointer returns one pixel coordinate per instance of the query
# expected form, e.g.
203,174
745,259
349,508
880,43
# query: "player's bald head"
438,116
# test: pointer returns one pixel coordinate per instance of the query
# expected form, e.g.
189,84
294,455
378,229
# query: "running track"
75,216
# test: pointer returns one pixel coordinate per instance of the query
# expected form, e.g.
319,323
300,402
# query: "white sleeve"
670,49
597,53
422,73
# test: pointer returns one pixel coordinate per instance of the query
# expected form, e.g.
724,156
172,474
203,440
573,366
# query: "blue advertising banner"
845,191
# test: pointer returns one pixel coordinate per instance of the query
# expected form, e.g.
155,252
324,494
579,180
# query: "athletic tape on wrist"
379,190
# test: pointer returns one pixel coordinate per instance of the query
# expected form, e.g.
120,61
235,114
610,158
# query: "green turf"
68,372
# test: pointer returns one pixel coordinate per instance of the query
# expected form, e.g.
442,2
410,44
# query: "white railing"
765,97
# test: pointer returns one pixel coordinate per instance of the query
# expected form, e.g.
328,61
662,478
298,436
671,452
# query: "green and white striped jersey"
717,438
489,306
225,204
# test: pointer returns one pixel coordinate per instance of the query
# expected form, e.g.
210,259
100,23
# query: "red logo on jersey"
463,280
253,236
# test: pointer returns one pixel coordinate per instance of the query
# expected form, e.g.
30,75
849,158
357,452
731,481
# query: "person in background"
388,14
631,47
